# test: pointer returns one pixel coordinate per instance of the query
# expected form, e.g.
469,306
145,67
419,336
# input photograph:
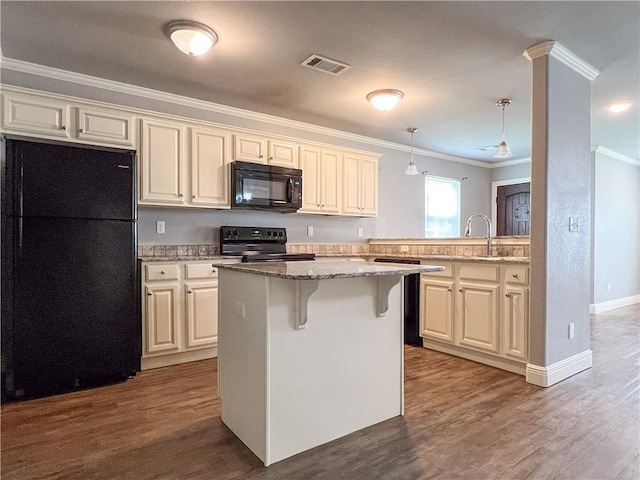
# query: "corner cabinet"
477,311
321,180
360,185
179,312
183,165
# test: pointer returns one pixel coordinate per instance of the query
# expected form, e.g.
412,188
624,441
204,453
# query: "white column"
560,214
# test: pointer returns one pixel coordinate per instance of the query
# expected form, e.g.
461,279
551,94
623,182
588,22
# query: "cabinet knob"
322,205
190,291
149,293
63,127
81,130
507,295
515,275
270,158
193,196
260,156
162,272
448,289
461,290
213,271
180,195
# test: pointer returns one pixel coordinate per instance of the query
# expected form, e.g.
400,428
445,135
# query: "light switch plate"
310,231
574,224
160,227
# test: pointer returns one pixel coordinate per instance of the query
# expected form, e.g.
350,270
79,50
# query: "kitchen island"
309,351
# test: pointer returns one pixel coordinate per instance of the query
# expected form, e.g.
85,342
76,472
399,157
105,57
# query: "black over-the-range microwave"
265,187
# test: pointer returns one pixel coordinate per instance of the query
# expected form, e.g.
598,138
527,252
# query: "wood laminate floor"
463,421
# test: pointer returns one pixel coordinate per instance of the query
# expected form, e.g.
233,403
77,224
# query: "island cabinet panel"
283,389
180,314
478,311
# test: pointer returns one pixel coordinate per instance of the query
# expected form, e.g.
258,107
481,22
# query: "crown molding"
143,92
508,163
563,54
615,155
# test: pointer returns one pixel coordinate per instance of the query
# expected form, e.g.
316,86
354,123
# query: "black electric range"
259,244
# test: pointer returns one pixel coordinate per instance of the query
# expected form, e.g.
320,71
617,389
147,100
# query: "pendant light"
192,38
411,169
503,149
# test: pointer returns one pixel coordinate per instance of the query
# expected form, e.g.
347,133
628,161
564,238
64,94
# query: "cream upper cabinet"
51,118
209,167
162,162
35,115
183,165
360,185
259,149
320,180
105,126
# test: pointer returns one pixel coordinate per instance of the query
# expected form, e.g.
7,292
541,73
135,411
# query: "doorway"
511,206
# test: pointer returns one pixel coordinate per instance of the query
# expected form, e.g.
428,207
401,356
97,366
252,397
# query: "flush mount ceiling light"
619,107
503,149
192,38
385,99
411,168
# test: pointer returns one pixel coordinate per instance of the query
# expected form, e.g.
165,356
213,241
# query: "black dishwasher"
411,301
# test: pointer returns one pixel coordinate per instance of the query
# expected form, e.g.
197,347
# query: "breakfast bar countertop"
326,269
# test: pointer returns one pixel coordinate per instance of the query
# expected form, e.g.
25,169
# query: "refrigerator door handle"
19,235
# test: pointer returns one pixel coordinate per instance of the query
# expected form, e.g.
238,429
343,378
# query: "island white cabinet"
321,180
48,117
183,165
179,312
260,149
477,311
360,185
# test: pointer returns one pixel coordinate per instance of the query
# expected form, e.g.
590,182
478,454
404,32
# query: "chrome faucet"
467,231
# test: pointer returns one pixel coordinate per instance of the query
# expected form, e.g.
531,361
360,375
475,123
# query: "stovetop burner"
258,244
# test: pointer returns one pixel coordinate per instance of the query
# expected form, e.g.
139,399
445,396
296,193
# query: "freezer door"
69,181
75,318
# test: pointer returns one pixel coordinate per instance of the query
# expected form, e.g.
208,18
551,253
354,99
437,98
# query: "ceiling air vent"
326,65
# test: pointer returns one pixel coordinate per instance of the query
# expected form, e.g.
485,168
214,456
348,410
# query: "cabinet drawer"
201,270
478,272
517,275
447,272
161,272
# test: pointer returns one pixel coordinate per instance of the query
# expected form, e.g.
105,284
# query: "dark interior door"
513,209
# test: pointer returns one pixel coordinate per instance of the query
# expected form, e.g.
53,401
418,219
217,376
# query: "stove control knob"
269,233
281,234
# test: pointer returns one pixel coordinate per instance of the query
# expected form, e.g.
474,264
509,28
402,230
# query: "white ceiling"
452,60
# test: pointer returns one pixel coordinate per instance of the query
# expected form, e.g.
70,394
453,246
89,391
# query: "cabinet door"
477,315
310,159
515,318
161,169
436,309
330,182
369,186
33,114
209,169
284,154
202,314
162,319
249,148
105,126
351,185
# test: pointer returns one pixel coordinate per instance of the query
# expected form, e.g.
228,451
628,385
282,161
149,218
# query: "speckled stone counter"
323,270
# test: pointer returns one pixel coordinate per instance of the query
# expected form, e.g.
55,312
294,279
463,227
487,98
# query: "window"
442,207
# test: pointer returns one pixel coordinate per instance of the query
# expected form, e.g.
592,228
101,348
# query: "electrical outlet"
404,248
310,231
240,310
574,224
360,232
572,330
160,227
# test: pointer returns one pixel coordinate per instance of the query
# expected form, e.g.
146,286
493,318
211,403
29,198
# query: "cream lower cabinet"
477,311
179,313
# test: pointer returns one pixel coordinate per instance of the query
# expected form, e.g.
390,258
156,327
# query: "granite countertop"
311,270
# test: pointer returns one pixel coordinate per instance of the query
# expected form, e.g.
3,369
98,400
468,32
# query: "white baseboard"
547,376
613,304
159,361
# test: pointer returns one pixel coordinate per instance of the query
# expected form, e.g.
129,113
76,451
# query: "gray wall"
401,197
509,172
616,242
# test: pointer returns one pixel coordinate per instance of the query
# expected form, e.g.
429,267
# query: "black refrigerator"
70,315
